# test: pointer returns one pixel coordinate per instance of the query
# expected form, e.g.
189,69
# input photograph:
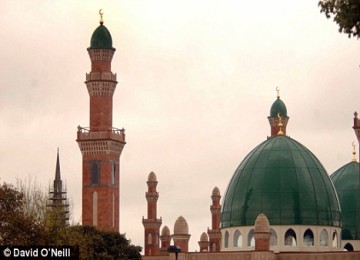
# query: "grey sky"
196,82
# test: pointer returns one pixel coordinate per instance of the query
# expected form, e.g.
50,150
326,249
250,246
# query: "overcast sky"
196,83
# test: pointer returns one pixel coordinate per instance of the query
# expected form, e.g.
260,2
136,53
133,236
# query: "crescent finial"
354,152
278,92
101,16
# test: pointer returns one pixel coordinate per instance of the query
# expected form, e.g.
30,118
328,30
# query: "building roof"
346,181
101,38
278,107
284,180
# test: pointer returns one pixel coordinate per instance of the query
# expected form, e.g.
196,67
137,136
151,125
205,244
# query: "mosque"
279,204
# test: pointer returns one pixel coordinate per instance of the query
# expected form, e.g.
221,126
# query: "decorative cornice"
152,197
100,147
101,88
152,223
101,54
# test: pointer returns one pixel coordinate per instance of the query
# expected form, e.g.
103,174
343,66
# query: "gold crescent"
277,89
101,12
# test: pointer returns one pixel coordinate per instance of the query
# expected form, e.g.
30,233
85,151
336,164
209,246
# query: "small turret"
181,234
278,118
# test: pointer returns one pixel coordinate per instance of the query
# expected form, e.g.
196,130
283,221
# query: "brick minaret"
151,223
278,112
356,128
101,144
181,234
214,233
262,233
204,242
165,240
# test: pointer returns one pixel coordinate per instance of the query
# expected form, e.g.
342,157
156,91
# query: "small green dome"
346,182
278,107
101,38
282,179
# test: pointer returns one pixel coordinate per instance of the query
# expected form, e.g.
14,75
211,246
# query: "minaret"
101,144
151,223
214,233
58,205
262,233
356,128
165,240
204,243
181,234
278,112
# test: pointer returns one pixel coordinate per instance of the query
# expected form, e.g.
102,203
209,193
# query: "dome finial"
101,16
280,125
354,152
278,92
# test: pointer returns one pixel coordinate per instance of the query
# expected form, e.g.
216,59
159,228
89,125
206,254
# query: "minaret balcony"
85,134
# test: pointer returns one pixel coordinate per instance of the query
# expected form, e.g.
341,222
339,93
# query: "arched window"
95,209
273,238
113,175
349,247
335,239
113,209
237,239
149,238
95,173
251,239
226,240
290,238
308,238
324,238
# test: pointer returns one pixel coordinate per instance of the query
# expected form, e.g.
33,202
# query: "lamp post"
174,249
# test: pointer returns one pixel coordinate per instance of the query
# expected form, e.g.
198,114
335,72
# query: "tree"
346,14
95,244
17,227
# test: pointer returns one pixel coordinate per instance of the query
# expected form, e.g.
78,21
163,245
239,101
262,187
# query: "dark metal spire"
57,181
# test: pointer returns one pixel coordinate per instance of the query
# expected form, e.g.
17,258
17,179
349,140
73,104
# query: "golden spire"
278,92
354,152
101,16
280,125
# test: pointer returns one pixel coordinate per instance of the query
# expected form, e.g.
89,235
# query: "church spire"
58,204
57,181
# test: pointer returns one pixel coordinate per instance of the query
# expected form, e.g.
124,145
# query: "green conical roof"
284,180
101,38
278,107
346,182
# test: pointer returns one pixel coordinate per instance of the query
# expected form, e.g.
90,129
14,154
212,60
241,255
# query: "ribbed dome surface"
152,177
278,107
181,226
165,231
216,191
346,182
204,237
284,180
262,224
101,38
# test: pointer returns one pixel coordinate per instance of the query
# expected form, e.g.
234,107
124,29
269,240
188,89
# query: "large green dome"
346,182
278,107
101,38
284,180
